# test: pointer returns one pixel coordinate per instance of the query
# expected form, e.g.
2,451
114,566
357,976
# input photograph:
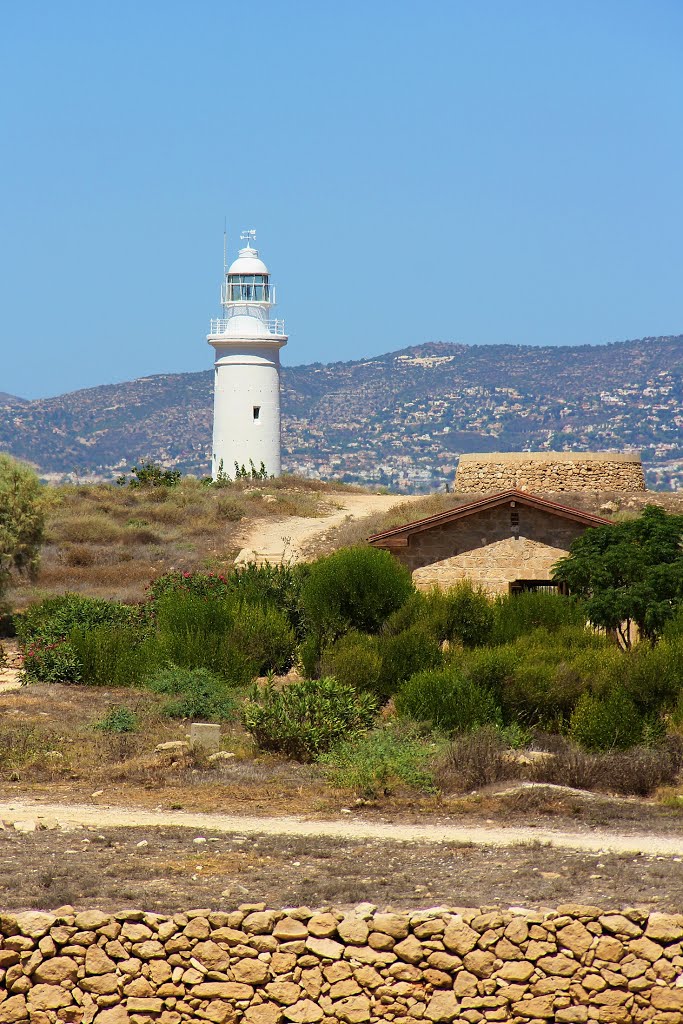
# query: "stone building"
550,472
506,542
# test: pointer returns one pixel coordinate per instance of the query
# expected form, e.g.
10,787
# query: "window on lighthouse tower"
257,412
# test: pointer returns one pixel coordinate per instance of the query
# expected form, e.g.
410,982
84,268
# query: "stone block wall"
549,472
482,548
574,964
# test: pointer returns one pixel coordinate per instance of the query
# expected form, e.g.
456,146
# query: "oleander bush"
305,719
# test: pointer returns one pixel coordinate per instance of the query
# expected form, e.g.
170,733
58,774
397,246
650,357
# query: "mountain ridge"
401,417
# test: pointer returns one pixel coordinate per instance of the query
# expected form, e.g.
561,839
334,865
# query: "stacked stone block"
549,472
572,965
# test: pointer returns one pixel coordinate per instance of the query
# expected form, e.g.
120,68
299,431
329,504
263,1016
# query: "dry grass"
109,541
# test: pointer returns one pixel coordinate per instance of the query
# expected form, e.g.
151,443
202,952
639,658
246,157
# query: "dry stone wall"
574,964
550,472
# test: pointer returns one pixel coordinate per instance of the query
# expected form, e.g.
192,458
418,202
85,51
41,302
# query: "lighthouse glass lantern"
247,343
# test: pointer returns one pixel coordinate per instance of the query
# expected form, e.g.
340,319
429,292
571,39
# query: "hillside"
401,418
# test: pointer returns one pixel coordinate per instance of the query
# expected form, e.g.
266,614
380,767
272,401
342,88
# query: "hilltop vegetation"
400,418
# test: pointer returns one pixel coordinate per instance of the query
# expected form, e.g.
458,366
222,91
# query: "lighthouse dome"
248,262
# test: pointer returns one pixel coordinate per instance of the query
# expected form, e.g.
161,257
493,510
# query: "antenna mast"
225,245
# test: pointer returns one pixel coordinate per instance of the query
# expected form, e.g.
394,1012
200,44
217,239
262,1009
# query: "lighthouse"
247,343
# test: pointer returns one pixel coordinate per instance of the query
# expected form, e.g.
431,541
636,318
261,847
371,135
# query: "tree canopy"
22,519
630,571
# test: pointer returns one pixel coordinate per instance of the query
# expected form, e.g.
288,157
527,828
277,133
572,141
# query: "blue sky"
485,171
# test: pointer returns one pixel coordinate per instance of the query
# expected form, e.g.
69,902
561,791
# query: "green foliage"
22,519
653,676
354,660
111,655
492,668
447,700
118,719
413,650
266,635
196,632
305,719
150,474
44,631
515,615
354,588
463,614
606,723
376,762
629,571
197,693
550,671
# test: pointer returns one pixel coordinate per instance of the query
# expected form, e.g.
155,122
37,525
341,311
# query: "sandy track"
352,827
285,539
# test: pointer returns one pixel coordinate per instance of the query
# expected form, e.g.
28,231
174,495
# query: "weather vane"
248,236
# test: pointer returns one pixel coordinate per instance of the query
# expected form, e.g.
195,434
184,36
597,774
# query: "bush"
198,692
22,519
110,655
489,667
403,655
196,632
463,614
266,635
606,723
44,630
653,676
378,761
447,700
515,615
354,660
55,617
118,719
305,719
475,759
150,474
355,588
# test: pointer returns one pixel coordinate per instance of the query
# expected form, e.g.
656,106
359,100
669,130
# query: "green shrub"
653,676
354,660
118,719
463,614
266,635
22,519
355,588
489,667
606,723
51,663
197,632
198,693
305,719
414,650
55,617
469,615
518,614
378,761
111,655
150,474
447,700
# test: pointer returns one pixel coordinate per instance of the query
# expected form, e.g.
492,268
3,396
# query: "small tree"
22,519
628,572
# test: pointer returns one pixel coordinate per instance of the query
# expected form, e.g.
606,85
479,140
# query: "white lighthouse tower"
246,411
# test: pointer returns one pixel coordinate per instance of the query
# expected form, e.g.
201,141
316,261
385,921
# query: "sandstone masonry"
573,965
550,472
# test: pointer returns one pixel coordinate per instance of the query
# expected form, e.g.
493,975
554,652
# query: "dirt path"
29,815
285,539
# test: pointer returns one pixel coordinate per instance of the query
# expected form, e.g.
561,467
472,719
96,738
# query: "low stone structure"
507,541
550,472
573,965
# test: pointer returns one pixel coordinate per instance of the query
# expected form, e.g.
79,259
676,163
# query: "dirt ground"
166,870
